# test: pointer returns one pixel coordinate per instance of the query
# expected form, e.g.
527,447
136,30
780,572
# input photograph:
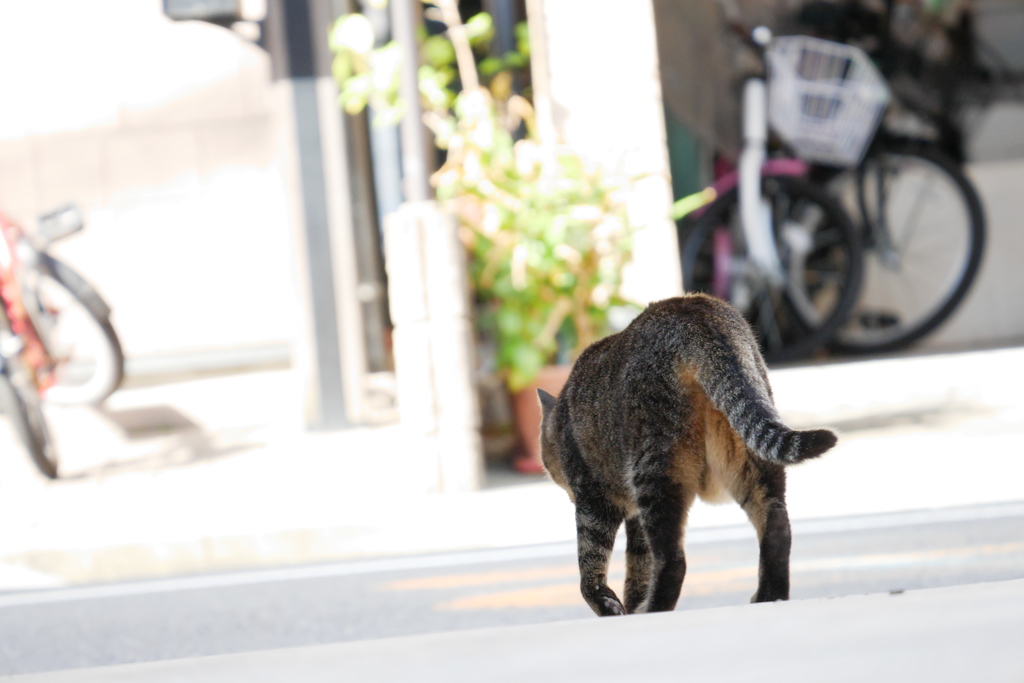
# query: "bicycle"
923,227
57,343
911,176
774,244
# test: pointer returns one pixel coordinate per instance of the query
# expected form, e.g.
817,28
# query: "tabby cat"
675,406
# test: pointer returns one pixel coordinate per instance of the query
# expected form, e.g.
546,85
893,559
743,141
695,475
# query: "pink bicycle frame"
783,166
722,240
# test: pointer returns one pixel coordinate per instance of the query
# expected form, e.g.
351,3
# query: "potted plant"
547,236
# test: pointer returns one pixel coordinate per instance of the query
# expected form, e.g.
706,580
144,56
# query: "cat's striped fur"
675,406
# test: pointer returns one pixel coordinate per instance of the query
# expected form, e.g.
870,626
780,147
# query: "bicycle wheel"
924,238
820,253
22,407
73,321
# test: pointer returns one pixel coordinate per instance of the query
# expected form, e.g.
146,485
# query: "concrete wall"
993,312
168,135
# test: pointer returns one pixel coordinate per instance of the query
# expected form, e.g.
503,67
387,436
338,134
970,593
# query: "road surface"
259,610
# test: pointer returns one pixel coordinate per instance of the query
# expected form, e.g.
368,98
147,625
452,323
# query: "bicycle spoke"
816,243
767,321
927,229
913,221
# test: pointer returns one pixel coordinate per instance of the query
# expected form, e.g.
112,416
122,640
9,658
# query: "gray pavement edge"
947,634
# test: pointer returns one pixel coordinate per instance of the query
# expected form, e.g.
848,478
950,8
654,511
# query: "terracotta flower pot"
526,408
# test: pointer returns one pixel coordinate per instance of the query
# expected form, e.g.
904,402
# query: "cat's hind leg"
663,503
759,487
638,564
597,522
761,492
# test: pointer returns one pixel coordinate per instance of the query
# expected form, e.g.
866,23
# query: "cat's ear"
547,402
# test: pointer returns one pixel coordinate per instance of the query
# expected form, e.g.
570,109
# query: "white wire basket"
825,99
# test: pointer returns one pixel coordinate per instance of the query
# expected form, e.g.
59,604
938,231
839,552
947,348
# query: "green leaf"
564,281
352,32
341,68
510,321
516,60
480,26
692,202
491,66
526,362
444,131
572,168
356,93
437,51
432,87
387,117
523,38
386,63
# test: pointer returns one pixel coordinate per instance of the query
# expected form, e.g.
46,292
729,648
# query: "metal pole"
385,145
505,17
416,147
291,26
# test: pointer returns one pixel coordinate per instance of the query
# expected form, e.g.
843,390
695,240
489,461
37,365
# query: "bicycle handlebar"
757,37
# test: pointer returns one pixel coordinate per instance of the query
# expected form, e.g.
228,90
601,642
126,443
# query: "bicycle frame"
755,214
779,166
23,340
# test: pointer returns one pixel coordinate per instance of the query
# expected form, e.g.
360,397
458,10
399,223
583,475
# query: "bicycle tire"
884,317
30,424
834,256
109,365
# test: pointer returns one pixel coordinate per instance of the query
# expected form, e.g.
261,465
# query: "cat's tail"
740,391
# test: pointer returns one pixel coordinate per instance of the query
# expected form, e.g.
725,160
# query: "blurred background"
309,375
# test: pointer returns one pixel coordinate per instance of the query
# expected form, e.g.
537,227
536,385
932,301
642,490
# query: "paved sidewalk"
962,633
215,473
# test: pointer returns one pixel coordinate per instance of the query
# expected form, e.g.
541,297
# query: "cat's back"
682,324
684,321
637,370
642,369
680,329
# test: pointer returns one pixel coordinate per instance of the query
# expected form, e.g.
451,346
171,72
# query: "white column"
433,344
597,88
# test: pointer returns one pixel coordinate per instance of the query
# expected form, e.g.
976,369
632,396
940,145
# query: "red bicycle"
57,343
